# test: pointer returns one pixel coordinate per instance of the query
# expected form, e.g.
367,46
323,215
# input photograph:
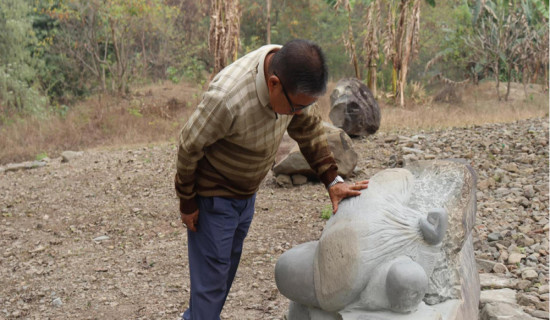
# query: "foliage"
18,67
113,42
326,212
505,39
68,49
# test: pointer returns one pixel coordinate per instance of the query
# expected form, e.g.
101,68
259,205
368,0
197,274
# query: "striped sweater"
229,143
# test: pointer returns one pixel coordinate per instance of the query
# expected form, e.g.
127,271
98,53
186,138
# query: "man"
228,146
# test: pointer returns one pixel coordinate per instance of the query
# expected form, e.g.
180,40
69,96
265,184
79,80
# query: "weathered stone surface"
70,155
12,167
298,179
500,268
376,251
284,180
498,295
353,108
493,281
539,314
340,144
484,265
499,311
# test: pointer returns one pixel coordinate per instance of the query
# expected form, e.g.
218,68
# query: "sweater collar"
261,86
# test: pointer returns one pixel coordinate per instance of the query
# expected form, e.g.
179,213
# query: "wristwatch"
336,180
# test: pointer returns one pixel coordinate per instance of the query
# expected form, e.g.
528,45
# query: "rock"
407,150
354,108
341,146
70,155
486,184
510,167
515,257
529,274
485,265
523,284
12,167
101,238
539,314
57,302
284,180
498,295
499,311
298,179
493,281
529,191
527,299
500,268
495,236
543,289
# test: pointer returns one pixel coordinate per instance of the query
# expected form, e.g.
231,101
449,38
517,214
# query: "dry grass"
151,114
156,113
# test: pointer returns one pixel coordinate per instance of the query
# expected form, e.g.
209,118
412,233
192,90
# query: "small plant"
135,112
326,213
41,156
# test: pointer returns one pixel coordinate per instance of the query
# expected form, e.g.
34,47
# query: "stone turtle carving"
403,244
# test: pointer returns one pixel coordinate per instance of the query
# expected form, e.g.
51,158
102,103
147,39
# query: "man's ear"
272,82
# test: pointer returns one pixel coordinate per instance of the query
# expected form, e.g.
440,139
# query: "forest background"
77,74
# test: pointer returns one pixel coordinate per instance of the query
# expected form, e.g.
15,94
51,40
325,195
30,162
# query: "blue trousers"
214,253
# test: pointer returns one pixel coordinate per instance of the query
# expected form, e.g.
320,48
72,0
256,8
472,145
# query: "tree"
113,41
371,42
18,87
510,36
224,32
349,39
401,42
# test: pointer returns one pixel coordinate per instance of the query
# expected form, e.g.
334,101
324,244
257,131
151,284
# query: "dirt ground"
52,268
99,237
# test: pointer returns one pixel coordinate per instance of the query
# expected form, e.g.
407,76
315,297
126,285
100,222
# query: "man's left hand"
340,191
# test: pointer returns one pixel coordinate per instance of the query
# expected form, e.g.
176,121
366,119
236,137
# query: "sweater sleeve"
209,123
308,131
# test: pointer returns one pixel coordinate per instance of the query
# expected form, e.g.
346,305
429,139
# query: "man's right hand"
190,220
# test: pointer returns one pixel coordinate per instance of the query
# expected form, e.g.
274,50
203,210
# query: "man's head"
297,76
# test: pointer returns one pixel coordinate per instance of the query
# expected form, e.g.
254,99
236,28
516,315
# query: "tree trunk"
352,44
371,44
498,80
508,85
224,32
398,43
268,21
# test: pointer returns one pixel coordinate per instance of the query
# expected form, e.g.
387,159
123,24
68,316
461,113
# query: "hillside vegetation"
78,74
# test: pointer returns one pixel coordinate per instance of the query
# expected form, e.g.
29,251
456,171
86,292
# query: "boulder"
70,155
353,108
294,162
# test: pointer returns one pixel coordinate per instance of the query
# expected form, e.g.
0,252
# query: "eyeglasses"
292,108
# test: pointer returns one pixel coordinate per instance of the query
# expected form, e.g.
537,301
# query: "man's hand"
190,220
340,191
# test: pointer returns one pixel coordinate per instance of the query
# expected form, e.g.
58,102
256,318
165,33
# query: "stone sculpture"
401,250
354,108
